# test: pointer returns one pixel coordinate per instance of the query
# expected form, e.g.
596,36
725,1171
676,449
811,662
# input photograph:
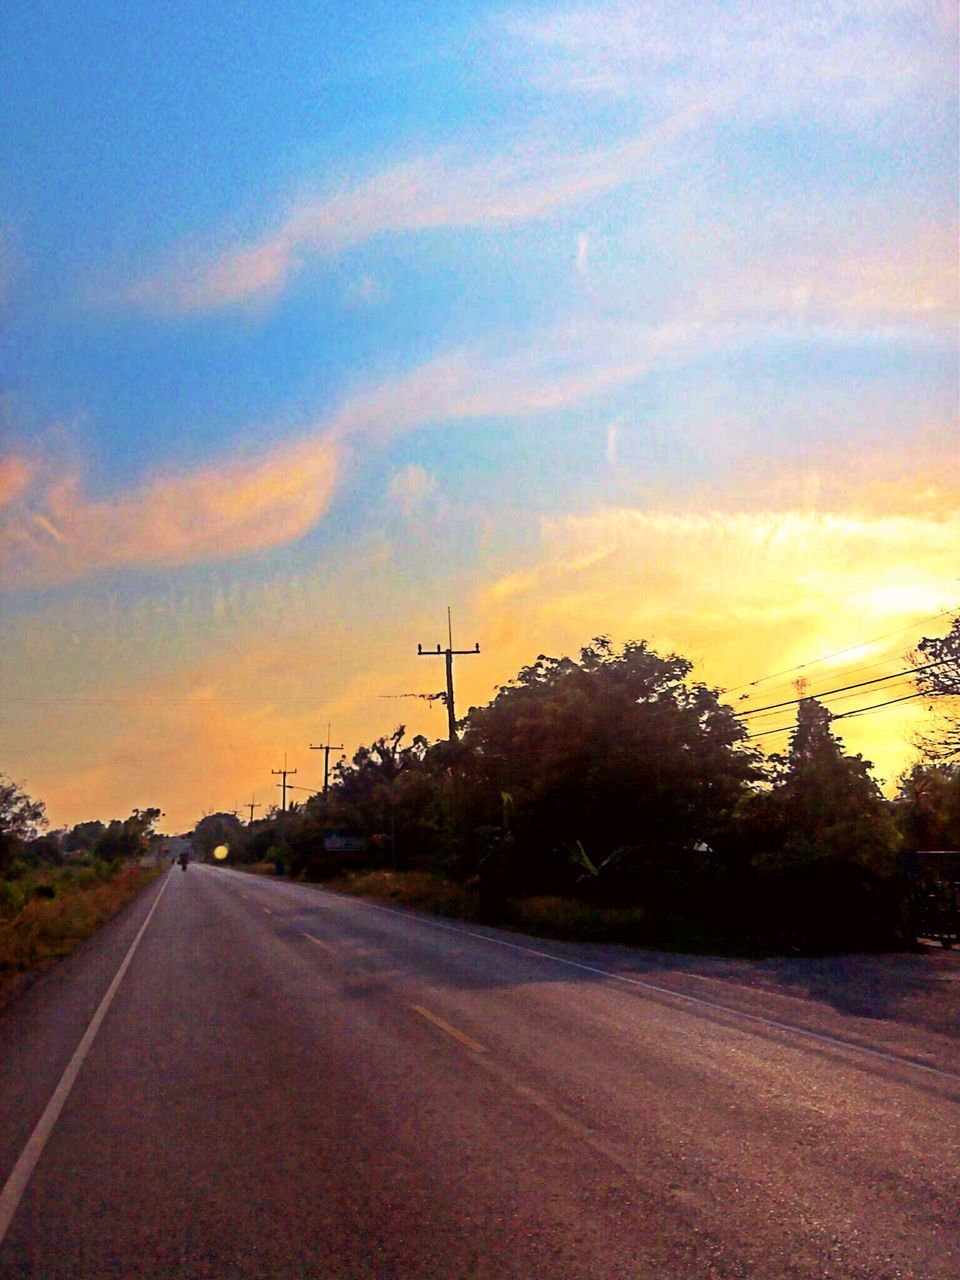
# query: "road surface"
290,1083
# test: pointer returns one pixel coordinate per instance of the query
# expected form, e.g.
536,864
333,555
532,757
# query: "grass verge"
64,907
548,917
419,889
567,919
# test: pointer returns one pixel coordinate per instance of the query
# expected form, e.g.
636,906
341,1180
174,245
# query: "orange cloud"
216,511
15,475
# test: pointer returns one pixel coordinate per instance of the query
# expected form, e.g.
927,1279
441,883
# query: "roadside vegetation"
612,798
61,908
57,888
605,798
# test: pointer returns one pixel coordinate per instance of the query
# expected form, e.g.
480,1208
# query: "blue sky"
317,319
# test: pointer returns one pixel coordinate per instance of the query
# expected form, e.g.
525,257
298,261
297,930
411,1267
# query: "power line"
846,697
861,684
749,684
860,711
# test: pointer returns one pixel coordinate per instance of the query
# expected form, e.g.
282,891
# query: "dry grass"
50,927
411,889
578,921
546,916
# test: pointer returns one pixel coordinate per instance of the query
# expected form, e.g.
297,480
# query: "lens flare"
220,852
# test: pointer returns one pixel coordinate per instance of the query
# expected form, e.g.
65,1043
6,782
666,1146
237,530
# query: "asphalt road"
288,1083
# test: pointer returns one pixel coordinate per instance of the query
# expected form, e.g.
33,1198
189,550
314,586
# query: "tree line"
616,780
25,841
612,779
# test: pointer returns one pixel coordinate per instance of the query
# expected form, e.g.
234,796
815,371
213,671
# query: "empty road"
290,1083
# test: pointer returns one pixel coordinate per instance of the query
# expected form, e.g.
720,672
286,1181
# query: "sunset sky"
314,319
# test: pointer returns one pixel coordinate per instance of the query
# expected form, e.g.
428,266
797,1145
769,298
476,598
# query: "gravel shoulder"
905,1004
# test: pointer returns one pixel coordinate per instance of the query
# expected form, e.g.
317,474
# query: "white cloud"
846,60
583,254
613,440
442,189
366,292
54,532
410,488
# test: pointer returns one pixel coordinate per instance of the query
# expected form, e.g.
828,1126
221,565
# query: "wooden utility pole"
448,653
284,773
326,759
251,805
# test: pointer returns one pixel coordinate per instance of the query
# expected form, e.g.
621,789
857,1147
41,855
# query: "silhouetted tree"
942,684
384,792
824,805
82,837
216,829
927,807
127,840
823,842
21,818
616,751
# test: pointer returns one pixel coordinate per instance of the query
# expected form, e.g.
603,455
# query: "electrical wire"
749,684
843,715
860,684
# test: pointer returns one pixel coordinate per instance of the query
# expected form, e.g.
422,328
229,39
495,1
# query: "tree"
941,682
927,807
617,751
823,844
826,805
216,829
382,790
82,837
21,818
128,840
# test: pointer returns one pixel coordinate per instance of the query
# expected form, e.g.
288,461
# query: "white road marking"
320,943
773,1024
697,1001
457,1035
16,1184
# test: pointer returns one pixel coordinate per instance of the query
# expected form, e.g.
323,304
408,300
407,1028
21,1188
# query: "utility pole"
448,653
326,759
284,773
251,806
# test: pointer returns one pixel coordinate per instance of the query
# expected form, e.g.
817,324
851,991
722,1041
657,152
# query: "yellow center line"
320,943
451,1031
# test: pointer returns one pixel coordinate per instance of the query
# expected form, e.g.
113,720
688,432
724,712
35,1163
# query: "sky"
627,319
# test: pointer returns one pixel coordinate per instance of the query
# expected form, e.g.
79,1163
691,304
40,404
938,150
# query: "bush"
11,900
46,927
554,917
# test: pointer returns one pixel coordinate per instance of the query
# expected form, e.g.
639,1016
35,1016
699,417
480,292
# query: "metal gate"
934,876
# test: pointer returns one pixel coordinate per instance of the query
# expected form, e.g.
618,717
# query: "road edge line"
697,1001
19,1179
